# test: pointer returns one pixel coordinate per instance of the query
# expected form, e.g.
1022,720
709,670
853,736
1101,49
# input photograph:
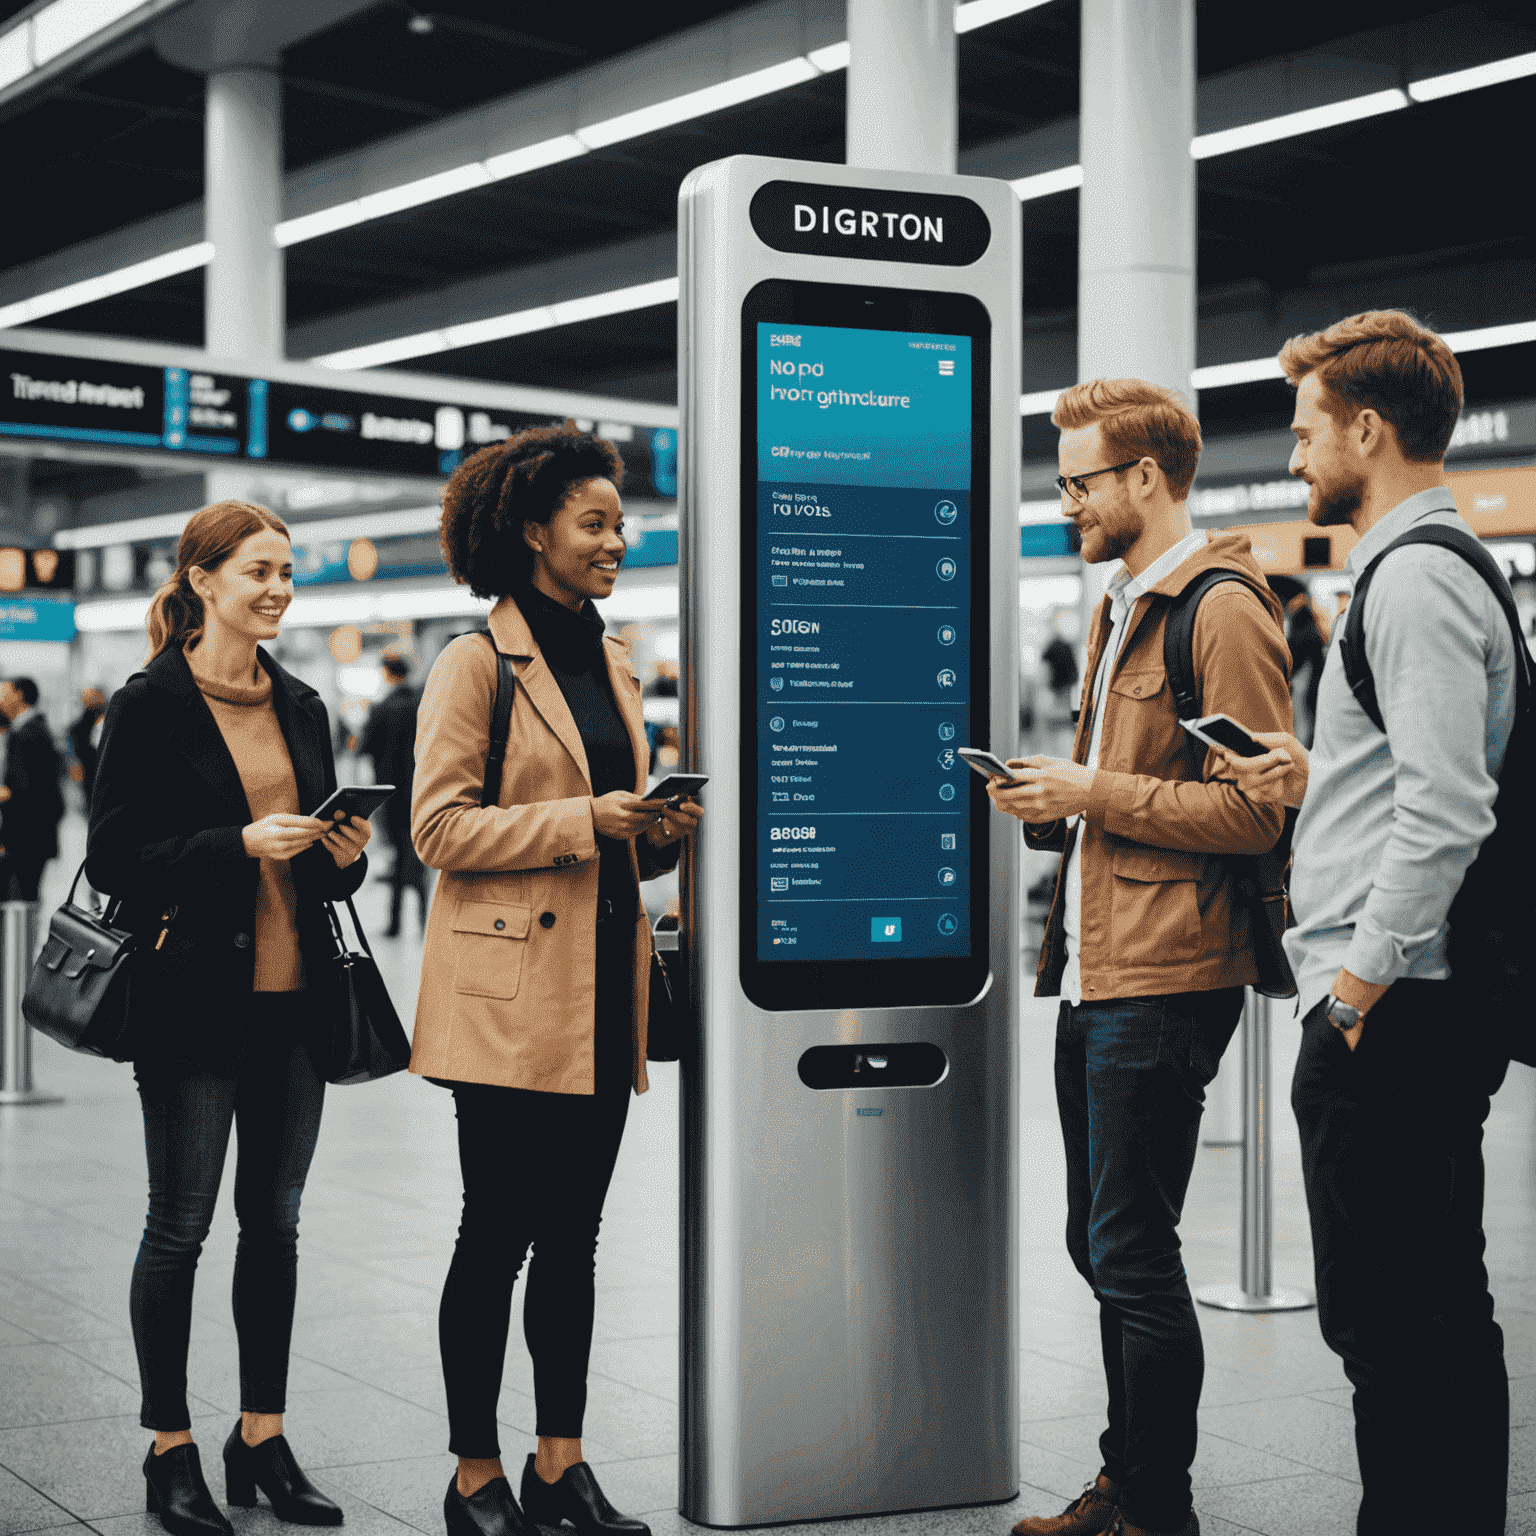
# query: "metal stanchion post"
18,943
1257,1292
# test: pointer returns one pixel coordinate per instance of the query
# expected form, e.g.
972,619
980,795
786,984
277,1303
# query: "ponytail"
211,536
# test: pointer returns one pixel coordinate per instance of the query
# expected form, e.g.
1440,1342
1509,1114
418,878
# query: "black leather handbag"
366,1040
77,993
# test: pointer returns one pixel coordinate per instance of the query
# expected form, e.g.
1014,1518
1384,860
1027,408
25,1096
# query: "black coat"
166,822
29,821
389,738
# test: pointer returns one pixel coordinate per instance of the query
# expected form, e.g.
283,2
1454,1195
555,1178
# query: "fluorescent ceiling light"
15,54
59,27
534,157
712,98
1041,403
1473,79
971,14
90,289
830,59
1288,125
1046,182
1039,512
1222,375
497,327
1491,336
426,190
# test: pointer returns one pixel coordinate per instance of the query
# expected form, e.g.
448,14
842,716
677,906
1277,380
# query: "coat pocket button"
546,920
242,941
499,924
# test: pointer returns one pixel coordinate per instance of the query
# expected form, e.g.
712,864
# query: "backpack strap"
1357,669
501,723
1179,639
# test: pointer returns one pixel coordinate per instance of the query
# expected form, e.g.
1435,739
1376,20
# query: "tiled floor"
366,1406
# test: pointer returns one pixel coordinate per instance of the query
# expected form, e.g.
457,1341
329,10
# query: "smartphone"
1223,731
355,799
678,786
986,763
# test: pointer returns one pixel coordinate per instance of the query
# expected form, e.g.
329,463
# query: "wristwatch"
1342,1015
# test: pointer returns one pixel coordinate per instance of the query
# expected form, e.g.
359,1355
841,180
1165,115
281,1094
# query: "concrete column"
902,112
243,302
1136,217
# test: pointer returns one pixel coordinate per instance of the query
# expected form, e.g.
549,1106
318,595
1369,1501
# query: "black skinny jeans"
1392,1157
536,1170
275,1099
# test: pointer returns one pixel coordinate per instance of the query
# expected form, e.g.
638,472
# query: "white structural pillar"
902,103
1136,217
243,301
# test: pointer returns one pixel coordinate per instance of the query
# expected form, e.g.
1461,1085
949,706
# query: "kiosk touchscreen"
848,533
865,642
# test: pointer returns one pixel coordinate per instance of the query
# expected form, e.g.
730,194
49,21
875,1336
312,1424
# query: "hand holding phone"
987,764
678,786
1224,731
354,800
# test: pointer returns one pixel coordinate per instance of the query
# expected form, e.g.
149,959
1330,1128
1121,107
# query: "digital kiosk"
849,549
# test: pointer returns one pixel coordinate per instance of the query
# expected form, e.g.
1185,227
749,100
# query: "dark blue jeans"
1131,1075
1392,1156
275,1100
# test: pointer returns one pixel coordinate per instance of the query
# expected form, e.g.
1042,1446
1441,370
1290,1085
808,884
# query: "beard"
1329,506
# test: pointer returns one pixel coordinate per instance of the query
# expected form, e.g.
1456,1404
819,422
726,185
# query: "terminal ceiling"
1392,203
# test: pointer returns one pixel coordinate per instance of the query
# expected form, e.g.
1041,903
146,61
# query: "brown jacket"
507,970
1160,912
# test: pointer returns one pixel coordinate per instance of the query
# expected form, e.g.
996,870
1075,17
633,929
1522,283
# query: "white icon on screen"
947,759
947,876
779,883
946,512
946,791
946,634
946,840
946,732
777,684
947,367
948,923
777,723
946,569
947,678
781,581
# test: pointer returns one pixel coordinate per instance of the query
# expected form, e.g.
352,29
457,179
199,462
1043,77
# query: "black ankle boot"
270,1466
488,1511
577,1498
174,1489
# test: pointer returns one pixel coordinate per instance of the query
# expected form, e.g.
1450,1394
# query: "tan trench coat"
507,970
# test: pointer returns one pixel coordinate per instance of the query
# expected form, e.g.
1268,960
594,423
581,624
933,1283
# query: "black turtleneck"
571,642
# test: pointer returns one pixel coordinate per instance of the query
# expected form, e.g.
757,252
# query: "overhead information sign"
187,411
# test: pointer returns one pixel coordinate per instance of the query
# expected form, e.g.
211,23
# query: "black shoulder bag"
664,1028
366,1040
1262,879
1493,917
77,993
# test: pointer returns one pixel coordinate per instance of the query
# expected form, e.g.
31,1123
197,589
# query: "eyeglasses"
1076,486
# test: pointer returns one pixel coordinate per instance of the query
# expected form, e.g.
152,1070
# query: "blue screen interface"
863,686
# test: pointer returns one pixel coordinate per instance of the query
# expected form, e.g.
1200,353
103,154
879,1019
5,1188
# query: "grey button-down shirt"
1391,822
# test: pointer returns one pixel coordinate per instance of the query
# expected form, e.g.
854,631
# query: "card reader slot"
914,1065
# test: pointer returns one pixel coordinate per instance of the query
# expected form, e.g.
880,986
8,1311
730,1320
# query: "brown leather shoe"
1123,1527
1088,1515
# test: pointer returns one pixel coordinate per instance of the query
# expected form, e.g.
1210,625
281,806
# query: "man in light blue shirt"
1396,1068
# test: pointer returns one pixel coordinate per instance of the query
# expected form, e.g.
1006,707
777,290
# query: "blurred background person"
389,738
85,740
31,802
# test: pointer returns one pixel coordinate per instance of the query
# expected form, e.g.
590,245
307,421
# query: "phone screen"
1232,736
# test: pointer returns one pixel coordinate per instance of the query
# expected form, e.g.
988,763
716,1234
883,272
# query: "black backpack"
1493,918
1262,880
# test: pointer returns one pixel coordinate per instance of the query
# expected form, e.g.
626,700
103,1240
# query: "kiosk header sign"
870,224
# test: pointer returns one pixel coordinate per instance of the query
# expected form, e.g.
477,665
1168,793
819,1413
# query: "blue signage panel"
36,618
864,563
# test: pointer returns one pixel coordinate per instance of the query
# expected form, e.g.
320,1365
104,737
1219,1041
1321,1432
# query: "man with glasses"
1148,940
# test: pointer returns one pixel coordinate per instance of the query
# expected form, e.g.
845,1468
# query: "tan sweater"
248,723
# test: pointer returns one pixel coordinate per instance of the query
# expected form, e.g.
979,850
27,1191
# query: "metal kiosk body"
850,442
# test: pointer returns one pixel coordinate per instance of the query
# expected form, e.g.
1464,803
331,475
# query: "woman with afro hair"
536,962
